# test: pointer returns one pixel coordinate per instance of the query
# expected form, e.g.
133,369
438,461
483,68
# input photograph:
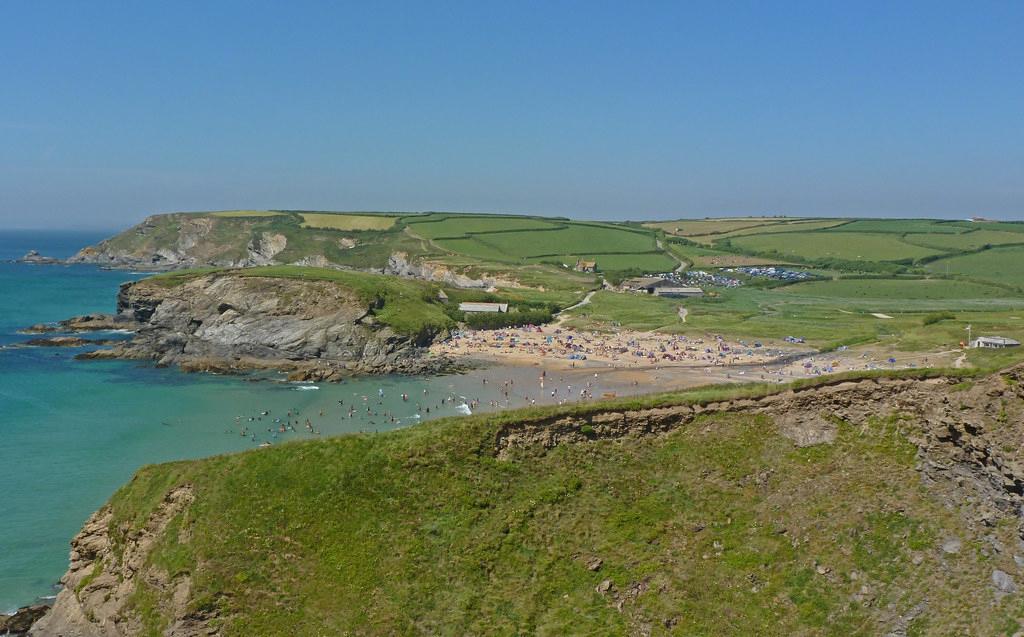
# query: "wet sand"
651,363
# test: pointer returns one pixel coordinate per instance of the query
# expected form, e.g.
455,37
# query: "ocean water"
72,431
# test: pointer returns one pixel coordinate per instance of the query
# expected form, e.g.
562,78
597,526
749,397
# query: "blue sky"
113,110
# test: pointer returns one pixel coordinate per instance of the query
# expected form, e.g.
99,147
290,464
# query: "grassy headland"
719,527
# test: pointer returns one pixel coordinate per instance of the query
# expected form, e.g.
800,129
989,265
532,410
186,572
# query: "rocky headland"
179,241
229,323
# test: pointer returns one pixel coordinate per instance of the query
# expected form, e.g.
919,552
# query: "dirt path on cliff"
562,317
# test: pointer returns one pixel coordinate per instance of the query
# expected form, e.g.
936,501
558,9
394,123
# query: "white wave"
305,387
464,409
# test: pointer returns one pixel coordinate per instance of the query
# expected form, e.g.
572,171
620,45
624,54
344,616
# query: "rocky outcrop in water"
225,323
22,620
66,341
33,256
87,323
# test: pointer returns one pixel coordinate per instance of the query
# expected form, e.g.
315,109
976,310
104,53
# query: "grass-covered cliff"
854,507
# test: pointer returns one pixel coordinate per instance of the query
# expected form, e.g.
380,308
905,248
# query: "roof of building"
483,307
679,291
997,340
645,281
586,264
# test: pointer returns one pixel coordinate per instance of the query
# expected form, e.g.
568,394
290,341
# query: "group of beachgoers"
625,349
266,427
654,361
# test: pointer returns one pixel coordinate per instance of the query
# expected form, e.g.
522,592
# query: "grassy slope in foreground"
719,528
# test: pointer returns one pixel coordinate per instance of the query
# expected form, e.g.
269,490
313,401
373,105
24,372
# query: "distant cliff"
314,328
879,506
180,241
189,240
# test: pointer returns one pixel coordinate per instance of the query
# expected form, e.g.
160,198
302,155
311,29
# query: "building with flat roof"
994,342
646,283
483,307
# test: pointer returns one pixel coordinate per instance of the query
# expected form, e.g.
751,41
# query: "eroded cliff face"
178,241
968,437
400,264
317,330
97,586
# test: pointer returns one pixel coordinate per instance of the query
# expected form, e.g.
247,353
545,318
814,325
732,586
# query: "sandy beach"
606,365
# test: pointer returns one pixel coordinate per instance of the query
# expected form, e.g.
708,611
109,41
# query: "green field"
517,240
1002,265
903,226
646,261
438,226
576,239
704,257
642,312
850,246
792,226
707,231
964,241
699,227
896,289
826,313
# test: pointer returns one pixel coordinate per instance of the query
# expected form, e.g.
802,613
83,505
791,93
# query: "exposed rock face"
153,248
97,585
177,241
316,330
399,264
263,250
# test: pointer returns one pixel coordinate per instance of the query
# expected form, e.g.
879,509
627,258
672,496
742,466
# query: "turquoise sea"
72,431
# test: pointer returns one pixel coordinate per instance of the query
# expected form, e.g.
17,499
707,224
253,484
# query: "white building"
483,307
994,342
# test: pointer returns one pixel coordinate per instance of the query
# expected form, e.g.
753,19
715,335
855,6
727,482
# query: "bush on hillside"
936,317
499,320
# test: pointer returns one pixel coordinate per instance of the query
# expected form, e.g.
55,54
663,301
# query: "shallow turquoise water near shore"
71,431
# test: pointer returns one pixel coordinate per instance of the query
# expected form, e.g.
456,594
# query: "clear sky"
113,110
